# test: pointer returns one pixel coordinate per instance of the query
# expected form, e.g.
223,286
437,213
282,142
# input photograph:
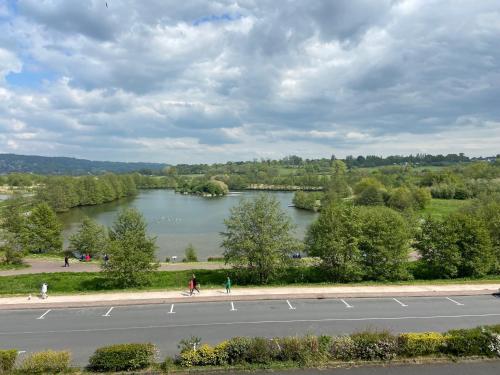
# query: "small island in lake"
203,187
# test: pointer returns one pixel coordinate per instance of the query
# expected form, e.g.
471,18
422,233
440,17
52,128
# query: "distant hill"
69,166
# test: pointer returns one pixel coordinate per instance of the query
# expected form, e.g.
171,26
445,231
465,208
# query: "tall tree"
259,237
131,251
42,230
334,238
91,239
384,244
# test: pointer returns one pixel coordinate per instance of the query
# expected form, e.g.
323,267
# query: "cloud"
222,80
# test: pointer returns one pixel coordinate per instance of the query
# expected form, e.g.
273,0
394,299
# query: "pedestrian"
195,284
87,258
227,284
66,261
190,285
106,259
44,291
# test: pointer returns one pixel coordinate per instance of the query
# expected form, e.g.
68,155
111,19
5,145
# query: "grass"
91,282
440,208
6,267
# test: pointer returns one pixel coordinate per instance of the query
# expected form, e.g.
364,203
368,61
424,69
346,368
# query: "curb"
258,297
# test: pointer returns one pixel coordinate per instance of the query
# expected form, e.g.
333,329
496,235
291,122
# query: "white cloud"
150,81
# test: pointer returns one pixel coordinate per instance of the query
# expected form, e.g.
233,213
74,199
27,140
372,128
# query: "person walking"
66,261
195,284
190,285
87,258
106,259
227,284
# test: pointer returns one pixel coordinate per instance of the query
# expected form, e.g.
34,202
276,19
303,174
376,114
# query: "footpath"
48,265
239,294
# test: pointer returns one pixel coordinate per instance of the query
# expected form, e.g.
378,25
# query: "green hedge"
123,357
47,362
7,360
365,346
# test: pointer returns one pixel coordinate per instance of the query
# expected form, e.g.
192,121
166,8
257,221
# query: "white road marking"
401,303
110,309
43,315
290,305
346,304
455,302
172,309
232,307
256,322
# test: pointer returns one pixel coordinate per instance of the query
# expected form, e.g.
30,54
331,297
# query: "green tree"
131,252
489,212
437,245
384,244
190,254
370,196
459,246
41,232
91,239
401,199
258,237
333,237
422,198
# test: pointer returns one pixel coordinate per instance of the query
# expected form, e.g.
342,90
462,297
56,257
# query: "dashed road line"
401,303
43,315
346,304
455,302
109,311
172,309
290,307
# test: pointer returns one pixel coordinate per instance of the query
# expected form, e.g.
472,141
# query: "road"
82,330
466,368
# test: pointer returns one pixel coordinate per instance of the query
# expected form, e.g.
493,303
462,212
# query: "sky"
211,81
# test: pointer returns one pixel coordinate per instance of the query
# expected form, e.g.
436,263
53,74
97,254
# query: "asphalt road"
465,368
82,330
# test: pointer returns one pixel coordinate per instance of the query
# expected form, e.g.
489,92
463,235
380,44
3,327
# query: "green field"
442,207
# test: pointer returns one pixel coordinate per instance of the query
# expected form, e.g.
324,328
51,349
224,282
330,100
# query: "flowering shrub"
419,344
494,345
342,348
374,345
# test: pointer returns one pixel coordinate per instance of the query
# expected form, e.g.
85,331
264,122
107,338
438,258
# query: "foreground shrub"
468,342
7,360
303,350
237,349
262,351
123,357
420,344
374,345
343,348
47,362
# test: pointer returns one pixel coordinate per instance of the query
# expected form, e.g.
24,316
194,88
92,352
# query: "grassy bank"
442,207
92,282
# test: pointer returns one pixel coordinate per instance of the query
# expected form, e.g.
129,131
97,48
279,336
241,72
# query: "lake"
177,220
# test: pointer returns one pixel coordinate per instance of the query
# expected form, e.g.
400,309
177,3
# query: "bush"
123,357
370,345
47,362
237,349
343,348
7,360
262,350
205,355
420,344
468,342
190,254
302,350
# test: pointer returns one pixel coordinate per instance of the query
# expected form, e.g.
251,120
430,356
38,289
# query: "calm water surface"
177,220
